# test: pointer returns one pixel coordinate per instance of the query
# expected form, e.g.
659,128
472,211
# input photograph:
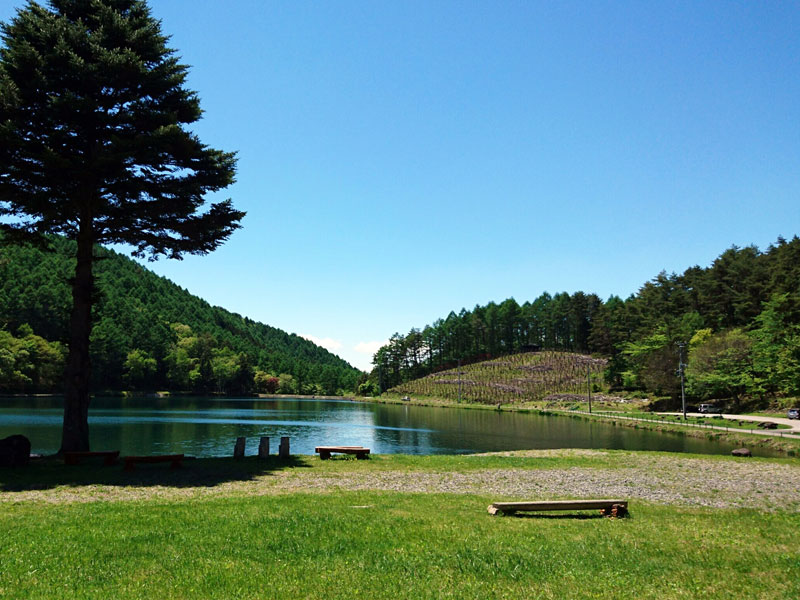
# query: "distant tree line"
739,318
148,334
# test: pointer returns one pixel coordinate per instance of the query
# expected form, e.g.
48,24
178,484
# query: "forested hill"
148,333
739,318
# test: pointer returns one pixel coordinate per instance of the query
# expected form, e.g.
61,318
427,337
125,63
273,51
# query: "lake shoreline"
666,478
745,438
209,426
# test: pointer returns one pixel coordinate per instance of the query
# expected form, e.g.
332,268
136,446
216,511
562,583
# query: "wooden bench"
610,508
73,458
174,459
325,451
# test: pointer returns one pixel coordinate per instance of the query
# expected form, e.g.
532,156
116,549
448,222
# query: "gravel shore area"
664,479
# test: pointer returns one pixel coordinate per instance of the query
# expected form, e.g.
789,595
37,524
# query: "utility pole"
589,385
459,381
682,374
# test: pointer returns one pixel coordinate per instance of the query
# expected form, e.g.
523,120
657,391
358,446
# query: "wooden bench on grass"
610,508
73,458
325,451
174,459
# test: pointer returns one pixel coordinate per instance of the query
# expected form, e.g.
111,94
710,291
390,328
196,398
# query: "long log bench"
325,451
73,458
611,508
174,459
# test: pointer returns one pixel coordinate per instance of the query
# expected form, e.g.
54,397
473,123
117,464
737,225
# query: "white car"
709,409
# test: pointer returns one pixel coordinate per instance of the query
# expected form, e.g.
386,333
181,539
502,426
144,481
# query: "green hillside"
530,376
737,323
148,333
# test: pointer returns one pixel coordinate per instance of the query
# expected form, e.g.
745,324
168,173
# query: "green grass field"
76,533
389,545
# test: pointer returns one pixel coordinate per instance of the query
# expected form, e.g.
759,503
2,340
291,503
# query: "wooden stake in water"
238,449
283,449
263,448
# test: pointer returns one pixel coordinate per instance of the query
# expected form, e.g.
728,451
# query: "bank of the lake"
788,445
208,427
663,477
402,526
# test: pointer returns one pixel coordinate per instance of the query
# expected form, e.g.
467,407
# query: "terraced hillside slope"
525,377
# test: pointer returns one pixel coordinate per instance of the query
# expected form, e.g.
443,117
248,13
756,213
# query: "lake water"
210,426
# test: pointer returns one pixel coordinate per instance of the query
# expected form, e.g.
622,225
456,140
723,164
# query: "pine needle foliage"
95,146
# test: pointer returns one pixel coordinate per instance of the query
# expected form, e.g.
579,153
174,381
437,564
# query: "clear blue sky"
398,160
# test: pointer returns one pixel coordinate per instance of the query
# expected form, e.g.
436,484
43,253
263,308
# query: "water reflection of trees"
187,424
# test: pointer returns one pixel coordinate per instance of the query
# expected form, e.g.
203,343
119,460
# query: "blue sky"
398,160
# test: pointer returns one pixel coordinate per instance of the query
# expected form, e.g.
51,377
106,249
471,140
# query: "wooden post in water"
283,449
238,449
263,448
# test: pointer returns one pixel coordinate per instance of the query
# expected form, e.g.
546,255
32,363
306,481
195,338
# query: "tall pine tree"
94,146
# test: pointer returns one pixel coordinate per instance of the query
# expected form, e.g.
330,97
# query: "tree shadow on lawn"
51,472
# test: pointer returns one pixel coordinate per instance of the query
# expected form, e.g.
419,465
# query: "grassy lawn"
389,545
254,542
780,414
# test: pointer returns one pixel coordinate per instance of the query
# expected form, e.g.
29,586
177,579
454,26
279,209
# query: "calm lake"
210,426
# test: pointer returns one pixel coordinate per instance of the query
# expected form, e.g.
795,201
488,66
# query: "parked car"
794,413
707,409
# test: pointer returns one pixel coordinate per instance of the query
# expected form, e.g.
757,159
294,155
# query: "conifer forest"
736,324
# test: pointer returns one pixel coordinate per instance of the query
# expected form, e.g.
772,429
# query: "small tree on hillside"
93,147
721,366
140,368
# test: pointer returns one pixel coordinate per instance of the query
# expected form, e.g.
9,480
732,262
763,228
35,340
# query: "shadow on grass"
51,472
573,516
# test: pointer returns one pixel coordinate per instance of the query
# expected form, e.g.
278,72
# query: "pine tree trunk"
75,435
